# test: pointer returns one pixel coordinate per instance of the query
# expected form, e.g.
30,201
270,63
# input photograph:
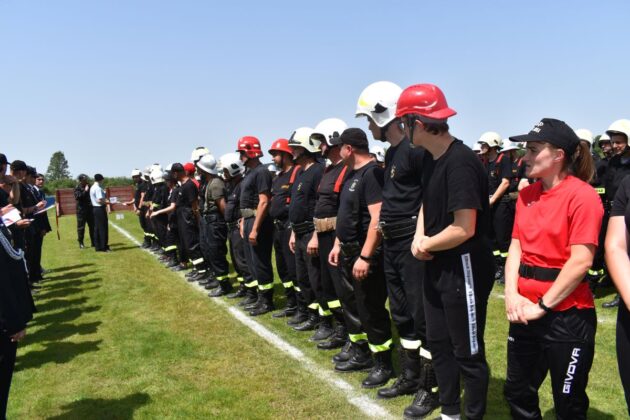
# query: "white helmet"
510,145
619,127
491,138
378,152
136,172
155,167
604,137
208,164
168,167
198,153
232,163
584,134
328,129
146,174
301,137
272,168
476,147
378,101
157,176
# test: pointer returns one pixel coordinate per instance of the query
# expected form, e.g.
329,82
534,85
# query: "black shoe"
408,382
287,312
223,289
250,298
310,324
81,246
262,308
178,267
324,330
239,293
613,303
191,273
172,263
298,318
344,355
335,341
211,284
423,404
382,371
499,273
146,244
361,359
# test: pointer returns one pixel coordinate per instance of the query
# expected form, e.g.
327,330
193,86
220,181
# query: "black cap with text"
554,132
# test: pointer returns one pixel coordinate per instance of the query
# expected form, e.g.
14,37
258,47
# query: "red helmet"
280,145
425,100
249,145
189,168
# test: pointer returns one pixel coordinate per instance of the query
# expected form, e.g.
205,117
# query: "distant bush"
51,187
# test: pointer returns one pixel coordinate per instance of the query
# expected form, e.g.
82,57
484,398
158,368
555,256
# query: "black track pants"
259,256
561,343
404,276
456,290
370,294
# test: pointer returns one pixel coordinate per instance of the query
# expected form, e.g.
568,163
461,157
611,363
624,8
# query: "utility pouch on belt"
302,228
247,213
400,229
513,196
325,225
350,249
231,226
280,224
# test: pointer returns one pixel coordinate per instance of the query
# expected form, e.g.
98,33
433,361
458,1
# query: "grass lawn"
119,336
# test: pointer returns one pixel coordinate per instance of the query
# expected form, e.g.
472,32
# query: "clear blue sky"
118,84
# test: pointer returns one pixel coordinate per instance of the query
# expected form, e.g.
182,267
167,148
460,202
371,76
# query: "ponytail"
581,164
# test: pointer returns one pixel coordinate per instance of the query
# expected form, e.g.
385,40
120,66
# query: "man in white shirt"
99,207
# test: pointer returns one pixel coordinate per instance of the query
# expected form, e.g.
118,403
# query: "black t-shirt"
187,195
510,170
402,187
493,170
621,204
172,199
27,197
618,168
601,166
362,189
327,198
148,196
141,187
280,193
455,181
304,193
4,198
82,197
160,196
232,200
257,181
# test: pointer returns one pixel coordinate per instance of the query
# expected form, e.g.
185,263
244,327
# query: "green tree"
58,167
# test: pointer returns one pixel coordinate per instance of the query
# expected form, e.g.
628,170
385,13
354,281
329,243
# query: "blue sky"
118,84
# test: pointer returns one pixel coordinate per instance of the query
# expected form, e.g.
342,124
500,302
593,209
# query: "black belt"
399,229
350,249
303,227
232,225
281,224
538,273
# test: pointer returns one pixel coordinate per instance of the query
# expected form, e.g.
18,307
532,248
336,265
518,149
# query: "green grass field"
119,336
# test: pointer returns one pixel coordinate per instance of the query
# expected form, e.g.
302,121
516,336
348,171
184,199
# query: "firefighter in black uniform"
256,227
358,253
233,170
214,227
279,212
618,169
325,220
145,206
137,203
160,202
452,237
402,197
303,240
84,210
168,211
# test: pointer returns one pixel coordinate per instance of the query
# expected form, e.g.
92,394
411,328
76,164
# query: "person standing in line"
85,213
99,208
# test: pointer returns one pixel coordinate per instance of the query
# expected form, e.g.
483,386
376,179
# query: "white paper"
113,200
11,217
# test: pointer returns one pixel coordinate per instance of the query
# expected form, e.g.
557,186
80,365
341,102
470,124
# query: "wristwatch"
366,259
544,307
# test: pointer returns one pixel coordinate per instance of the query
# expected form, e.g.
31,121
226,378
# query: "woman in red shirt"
548,303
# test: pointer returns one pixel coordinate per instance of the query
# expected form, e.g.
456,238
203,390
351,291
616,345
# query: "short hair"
98,177
40,176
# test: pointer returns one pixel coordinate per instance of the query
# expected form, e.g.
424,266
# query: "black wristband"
543,306
366,259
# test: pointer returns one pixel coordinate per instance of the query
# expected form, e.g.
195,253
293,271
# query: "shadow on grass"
593,414
55,353
69,276
122,408
70,283
69,268
55,304
68,315
58,332
49,294
124,247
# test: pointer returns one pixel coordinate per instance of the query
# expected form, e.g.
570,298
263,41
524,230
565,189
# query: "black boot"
613,303
382,371
324,329
498,274
426,399
224,288
409,380
298,317
335,341
250,306
81,246
191,274
147,243
360,359
265,304
251,296
239,293
310,324
345,354
290,308
211,283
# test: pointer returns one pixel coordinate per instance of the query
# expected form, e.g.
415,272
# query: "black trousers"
456,290
213,242
160,225
34,242
370,294
561,343
85,216
171,242
189,237
142,217
503,223
308,275
259,256
101,229
237,252
332,285
623,349
8,351
404,275
285,260
598,260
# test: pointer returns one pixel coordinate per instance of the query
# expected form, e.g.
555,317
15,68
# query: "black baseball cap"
552,131
18,165
31,171
82,177
3,159
353,137
98,177
177,167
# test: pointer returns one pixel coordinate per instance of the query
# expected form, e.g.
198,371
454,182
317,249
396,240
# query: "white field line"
364,403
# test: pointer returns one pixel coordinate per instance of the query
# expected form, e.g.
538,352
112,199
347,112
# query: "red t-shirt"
547,223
